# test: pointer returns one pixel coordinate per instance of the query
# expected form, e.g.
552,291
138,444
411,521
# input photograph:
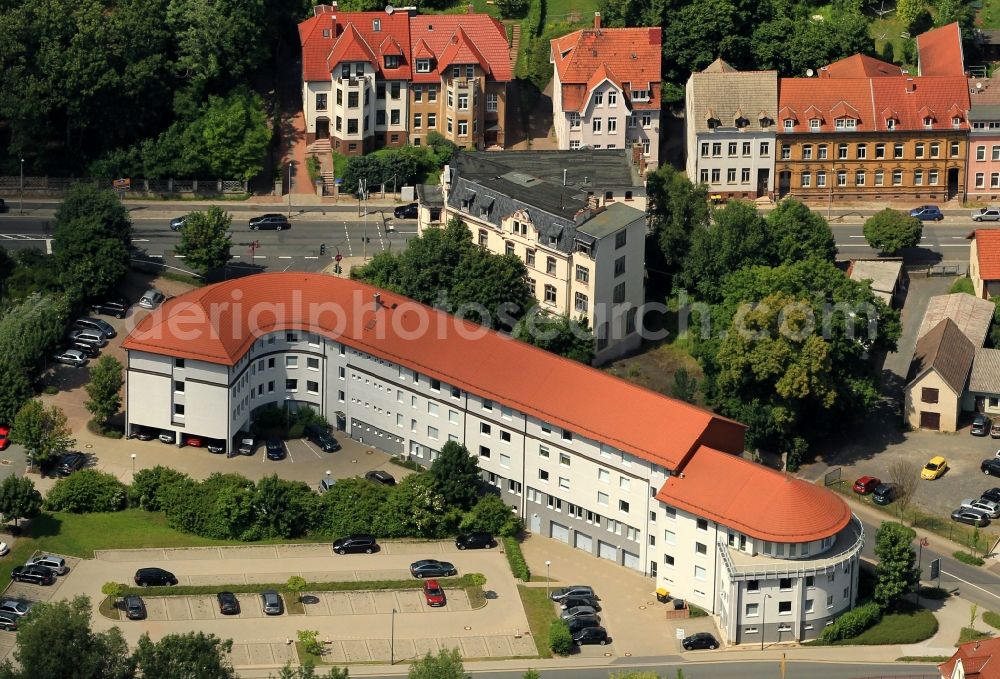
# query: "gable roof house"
973,660
984,262
937,377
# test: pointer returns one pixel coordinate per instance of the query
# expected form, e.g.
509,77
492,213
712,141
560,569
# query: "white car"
4,549
14,607
71,357
991,509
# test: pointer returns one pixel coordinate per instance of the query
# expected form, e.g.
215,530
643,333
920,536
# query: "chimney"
597,21
378,300
911,86
824,72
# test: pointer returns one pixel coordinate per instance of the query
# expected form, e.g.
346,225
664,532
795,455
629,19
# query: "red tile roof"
980,660
859,66
634,55
478,36
330,36
754,499
874,100
988,253
219,323
939,52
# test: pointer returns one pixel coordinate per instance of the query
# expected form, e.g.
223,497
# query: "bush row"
965,557
515,557
467,580
853,623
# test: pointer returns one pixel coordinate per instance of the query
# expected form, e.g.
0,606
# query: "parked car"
699,640
322,437
151,299
14,607
88,350
926,213
4,437
574,591
934,468
986,214
154,577
70,462
995,430
4,549
228,603
432,568
8,623
35,575
433,593
178,223
574,601
973,517
379,476
577,611
583,621
143,433
591,635
88,337
991,509
73,357
990,467
325,485
247,443
271,602
194,441
993,495
866,484
96,325
167,436
135,607
354,544
884,493
275,449
980,425
215,446
270,221
405,211
56,564
475,540
116,306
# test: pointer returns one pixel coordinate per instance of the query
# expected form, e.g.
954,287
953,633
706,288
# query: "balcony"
352,81
463,83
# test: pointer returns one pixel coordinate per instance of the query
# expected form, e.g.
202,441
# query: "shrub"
112,589
310,641
86,491
492,515
149,485
518,566
965,557
106,430
992,619
853,623
560,640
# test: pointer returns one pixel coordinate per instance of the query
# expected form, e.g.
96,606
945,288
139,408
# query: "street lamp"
289,189
133,466
392,636
287,415
21,207
763,620
547,578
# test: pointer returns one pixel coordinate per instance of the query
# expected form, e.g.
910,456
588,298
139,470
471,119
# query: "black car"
215,446
475,540
591,635
88,350
228,603
699,640
432,568
574,601
379,476
8,623
270,221
154,577
993,495
96,325
582,622
3,205
135,607
117,307
355,544
990,466
405,211
275,449
884,493
980,425
322,438
71,462
35,575
573,592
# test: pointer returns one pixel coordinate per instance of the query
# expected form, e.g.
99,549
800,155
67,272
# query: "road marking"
997,596
309,257
288,451
306,443
140,240
347,238
237,256
180,256
260,256
284,257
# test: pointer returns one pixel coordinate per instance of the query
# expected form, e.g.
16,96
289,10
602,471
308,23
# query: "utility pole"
21,206
289,189
363,188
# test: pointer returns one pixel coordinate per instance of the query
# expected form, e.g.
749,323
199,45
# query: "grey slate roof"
947,351
985,377
612,219
972,315
723,94
430,195
586,169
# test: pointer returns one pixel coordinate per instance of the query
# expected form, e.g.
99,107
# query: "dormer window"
956,122
423,65
890,123
392,61
845,124
345,70
814,124
766,122
741,122
376,25
928,122
640,95
789,124
712,123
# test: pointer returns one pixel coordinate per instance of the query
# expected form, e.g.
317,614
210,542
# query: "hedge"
560,640
852,623
515,557
992,619
467,580
965,557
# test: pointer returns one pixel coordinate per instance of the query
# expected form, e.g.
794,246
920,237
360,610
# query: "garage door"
930,420
631,560
584,542
606,551
559,532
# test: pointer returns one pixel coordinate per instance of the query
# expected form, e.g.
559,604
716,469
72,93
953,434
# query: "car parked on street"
178,223
355,544
115,306
699,640
154,577
991,509
475,540
322,437
144,433
269,221
14,607
980,425
135,607
34,575
93,337
573,591
926,213
247,443
215,446
56,564
271,602
986,214
275,449
194,441
96,325
379,476
433,593
995,430
866,484
577,611
325,485
73,357
70,462
990,466
405,211
228,603
4,437
591,635
973,517
432,568
934,468
884,493
151,299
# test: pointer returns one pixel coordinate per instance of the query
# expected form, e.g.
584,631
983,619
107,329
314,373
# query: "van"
246,443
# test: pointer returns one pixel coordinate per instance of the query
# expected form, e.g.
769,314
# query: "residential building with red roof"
613,469
939,52
606,89
983,173
377,79
973,660
984,263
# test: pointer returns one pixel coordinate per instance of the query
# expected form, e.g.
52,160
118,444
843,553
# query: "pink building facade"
983,172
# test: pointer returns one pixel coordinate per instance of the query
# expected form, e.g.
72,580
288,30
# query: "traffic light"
336,268
322,248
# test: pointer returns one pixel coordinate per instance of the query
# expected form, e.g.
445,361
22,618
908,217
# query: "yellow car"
934,468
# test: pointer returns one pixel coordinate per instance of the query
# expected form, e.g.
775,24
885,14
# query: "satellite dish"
979,86
809,73
389,9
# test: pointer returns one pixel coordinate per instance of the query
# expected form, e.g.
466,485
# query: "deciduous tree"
493,516
206,239
42,431
456,475
895,573
19,499
569,337
307,670
193,655
905,477
799,233
676,208
890,230
104,388
447,664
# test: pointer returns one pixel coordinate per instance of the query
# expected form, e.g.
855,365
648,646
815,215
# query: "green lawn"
570,10
989,15
971,634
910,626
541,612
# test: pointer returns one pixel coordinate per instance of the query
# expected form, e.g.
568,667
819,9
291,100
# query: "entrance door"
559,532
784,183
606,551
536,524
631,560
322,128
763,176
952,182
584,542
930,420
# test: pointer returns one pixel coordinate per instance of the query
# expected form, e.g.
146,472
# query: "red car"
4,437
194,441
866,484
433,593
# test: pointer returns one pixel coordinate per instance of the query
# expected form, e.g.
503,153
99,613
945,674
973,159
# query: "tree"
905,477
351,506
512,9
113,589
908,11
447,664
19,499
490,289
415,508
205,239
531,674
895,573
799,233
295,585
889,230
193,655
568,337
493,516
685,386
104,388
310,641
308,671
456,475
149,485
86,201
28,332
42,431
676,208
86,491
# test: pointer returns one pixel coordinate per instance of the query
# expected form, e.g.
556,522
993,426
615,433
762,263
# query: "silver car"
991,509
151,299
14,607
986,214
92,337
71,357
272,603
56,564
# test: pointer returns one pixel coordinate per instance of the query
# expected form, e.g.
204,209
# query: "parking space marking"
315,452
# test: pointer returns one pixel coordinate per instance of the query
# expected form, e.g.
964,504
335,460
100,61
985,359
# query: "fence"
38,187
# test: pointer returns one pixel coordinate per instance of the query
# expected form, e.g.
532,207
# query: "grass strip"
540,613
468,580
970,634
936,659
